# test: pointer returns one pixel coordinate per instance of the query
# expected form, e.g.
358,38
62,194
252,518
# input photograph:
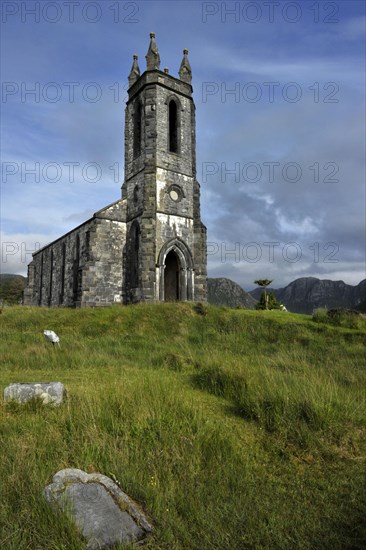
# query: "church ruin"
150,245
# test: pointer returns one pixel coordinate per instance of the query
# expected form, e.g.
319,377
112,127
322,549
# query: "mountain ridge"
222,291
305,294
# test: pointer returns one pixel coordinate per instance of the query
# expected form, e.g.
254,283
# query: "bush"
339,317
200,308
320,315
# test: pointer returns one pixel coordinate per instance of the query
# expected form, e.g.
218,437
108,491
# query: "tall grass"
233,429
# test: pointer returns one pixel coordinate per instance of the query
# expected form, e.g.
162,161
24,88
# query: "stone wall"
82,268
56,269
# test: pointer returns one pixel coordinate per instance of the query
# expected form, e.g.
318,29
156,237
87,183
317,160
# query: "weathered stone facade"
151,244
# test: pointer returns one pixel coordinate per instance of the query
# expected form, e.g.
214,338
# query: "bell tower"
165,252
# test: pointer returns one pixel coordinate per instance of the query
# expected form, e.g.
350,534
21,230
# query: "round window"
175,193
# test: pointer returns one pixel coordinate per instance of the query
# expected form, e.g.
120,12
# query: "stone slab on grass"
49,392
104,514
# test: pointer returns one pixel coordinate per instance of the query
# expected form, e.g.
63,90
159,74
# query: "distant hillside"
307,293
11,288
224,292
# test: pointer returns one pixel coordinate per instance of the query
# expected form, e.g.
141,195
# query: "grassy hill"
233,429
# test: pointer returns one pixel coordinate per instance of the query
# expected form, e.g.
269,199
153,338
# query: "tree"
11,288
273,303
268,302
263,283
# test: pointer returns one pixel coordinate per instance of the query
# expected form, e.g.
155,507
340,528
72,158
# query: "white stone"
49,392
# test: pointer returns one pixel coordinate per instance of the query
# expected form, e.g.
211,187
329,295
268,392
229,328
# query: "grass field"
233,429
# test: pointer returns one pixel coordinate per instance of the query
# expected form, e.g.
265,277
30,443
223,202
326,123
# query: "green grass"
233,429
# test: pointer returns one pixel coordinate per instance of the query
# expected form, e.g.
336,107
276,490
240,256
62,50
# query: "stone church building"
150,245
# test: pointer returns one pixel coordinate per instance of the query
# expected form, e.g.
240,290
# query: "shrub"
340,317
200,309
320,315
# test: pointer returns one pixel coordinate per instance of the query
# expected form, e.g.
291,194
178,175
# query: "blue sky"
279,89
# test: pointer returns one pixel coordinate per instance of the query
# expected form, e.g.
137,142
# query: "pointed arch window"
51,279
173,126
134,255
75,274
137,129
63,269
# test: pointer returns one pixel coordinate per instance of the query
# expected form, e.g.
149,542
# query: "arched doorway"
175,272
171,277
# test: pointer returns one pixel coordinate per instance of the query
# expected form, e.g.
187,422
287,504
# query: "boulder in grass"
104,514
48,392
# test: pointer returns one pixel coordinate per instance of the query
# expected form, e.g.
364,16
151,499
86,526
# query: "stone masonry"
151,244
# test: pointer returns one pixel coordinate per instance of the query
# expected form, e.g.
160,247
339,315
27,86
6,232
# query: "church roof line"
93,217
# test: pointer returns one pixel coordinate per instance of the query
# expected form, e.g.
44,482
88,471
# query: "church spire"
152,56
135,71
185,71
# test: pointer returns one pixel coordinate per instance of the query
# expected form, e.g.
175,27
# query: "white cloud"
305,226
